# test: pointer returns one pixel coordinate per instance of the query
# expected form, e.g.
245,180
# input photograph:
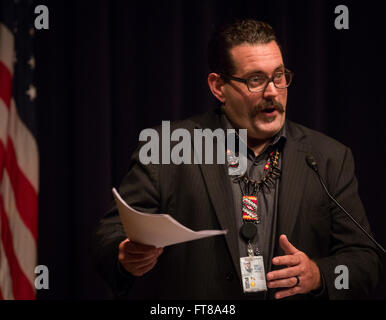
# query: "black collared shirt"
267,201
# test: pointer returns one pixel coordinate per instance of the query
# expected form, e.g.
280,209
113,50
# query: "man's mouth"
269,110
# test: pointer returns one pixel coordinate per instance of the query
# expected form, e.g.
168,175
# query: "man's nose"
270,90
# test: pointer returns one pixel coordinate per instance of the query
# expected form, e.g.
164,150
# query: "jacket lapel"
293,181
217,181
220,193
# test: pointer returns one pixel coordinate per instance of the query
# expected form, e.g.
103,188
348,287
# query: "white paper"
159,230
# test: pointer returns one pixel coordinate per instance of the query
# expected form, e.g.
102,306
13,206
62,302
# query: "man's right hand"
138,258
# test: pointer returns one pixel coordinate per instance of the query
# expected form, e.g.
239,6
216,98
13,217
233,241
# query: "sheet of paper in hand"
159,230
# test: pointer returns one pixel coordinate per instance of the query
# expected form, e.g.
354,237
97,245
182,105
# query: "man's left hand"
298,266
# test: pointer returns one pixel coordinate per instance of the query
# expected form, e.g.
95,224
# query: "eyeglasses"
258,83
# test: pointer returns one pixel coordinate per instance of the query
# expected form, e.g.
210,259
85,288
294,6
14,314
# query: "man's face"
261,113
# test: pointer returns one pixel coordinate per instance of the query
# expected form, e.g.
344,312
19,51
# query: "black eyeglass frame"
246,81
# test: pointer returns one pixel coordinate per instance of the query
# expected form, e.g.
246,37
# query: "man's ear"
216,85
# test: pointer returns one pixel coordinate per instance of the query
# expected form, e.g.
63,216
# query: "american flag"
19,158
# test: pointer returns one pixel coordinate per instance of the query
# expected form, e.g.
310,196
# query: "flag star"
31,92
31,62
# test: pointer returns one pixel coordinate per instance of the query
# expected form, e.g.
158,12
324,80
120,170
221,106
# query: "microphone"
314,166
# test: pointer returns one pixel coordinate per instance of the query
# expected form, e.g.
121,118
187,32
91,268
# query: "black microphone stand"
313,165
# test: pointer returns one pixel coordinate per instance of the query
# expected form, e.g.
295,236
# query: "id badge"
253,274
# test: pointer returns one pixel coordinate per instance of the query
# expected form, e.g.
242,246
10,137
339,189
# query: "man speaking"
285,237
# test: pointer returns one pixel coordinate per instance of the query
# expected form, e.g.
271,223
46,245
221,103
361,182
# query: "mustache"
267,104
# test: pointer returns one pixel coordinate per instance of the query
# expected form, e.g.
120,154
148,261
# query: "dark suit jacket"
200,197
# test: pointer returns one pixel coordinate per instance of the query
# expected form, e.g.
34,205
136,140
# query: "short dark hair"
232,34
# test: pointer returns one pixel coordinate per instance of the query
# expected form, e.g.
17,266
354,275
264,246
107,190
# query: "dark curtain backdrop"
105,70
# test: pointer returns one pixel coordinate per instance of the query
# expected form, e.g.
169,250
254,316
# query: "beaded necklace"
249,189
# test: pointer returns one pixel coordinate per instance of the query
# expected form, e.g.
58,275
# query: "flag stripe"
23,240
25,246
5,275
3,122
6,84
2,159
26,149
22,289
7,47
25,195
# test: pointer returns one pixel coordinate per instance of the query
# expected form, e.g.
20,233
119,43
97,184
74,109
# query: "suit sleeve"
139,189
349,246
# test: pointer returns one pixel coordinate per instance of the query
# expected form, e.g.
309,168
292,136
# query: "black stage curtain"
105,70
